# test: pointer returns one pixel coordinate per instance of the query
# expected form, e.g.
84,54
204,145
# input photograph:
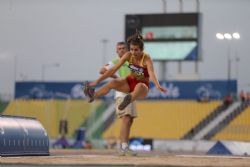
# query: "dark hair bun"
136,39
135,36
138,34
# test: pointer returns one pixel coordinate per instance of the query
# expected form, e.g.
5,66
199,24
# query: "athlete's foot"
126,101
88,91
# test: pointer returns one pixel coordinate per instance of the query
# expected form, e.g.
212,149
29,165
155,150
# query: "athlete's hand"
162,89
93,84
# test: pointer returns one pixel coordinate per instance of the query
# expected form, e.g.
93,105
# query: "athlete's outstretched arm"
111,71
106,68
152,75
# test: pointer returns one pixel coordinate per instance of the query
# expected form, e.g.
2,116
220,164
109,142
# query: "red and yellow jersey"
140,72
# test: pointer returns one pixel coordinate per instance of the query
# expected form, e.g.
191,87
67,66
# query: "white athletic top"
117,93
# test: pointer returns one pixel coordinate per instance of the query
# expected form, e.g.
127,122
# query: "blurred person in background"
242,96
127,114
248,96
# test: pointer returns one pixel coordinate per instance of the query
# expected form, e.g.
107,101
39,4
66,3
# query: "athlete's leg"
127,121
117,84
140,91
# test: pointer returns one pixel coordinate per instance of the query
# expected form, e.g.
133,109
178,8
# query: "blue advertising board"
212,89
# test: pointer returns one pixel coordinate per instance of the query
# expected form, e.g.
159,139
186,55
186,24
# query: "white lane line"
214,156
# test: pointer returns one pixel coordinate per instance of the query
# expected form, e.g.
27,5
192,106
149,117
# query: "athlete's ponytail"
136,39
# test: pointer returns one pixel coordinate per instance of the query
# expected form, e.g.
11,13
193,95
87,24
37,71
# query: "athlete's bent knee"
113,82
142,86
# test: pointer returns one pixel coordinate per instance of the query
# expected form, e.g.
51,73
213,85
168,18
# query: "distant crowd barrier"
208,89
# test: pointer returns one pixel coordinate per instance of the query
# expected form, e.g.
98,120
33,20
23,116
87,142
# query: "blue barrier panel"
22,136
230,148
212,89
219,149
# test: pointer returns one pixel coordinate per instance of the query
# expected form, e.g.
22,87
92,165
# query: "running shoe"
88,91
126,151
126,101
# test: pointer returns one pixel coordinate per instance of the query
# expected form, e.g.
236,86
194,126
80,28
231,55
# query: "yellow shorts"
129,110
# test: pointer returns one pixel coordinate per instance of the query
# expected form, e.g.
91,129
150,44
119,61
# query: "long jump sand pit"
95,158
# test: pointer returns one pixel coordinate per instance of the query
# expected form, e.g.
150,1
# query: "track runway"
105,158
